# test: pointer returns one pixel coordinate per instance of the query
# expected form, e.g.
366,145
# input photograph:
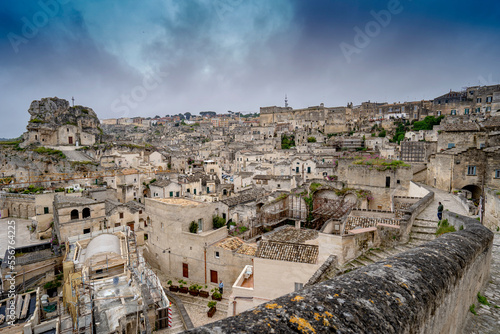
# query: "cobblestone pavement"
487,320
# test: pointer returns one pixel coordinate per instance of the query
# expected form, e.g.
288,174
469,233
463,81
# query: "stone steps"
423,229
425,223
222,305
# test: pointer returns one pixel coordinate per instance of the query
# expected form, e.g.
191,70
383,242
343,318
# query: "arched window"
74,214
86,213
224,192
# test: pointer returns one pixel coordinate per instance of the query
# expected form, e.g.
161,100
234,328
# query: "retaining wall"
427,289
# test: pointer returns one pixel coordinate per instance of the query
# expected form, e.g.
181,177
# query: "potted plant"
194,290
216,295
204,293
182,288
173,288
211,308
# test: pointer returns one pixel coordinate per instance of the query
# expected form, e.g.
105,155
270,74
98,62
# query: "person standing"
221,287
440,211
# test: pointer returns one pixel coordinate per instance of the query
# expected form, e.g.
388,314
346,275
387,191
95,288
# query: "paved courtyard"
23,237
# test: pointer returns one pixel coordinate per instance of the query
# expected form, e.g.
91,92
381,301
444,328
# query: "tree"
157,116
382,133
187,115
311,139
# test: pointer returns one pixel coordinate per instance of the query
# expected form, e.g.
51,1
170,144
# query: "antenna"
286,101
73,99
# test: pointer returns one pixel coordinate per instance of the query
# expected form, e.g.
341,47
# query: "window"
439,113
478,100
415,116
471,170
99,271
453,112
497,174
176,194
482,145
74,214
86,230
279,185
194,191
121,215
46,210
140,212
118,224
478,110
171,194
299,286
217,255
488,108
466,111
188,190
489,99
296,169
308,170
451,145
86,213
200,225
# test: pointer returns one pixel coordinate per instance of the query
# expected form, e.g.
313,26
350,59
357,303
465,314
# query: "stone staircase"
187,299
177,324
422,231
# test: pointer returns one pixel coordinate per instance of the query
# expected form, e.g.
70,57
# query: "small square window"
121,215
497,174
471,170
217,255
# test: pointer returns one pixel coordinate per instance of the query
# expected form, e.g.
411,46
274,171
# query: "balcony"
245,279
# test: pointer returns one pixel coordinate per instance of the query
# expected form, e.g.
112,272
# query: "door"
185,270
213,277
131,225
70,140
387,181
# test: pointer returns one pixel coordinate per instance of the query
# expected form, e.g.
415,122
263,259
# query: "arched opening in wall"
74,214
224,192
474,190
86,213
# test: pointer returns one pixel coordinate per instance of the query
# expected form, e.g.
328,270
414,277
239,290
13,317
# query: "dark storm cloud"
163,57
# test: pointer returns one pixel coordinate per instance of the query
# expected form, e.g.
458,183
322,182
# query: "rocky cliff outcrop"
53,112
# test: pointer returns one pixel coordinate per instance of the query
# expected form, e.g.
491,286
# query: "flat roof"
177,201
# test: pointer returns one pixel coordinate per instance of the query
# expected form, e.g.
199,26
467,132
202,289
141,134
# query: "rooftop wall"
425,290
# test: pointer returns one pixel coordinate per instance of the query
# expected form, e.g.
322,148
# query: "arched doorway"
474,190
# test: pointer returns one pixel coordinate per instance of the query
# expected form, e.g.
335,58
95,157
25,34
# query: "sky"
163,57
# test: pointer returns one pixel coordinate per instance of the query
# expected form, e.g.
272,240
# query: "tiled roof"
285,251
292,234
230,243
247,249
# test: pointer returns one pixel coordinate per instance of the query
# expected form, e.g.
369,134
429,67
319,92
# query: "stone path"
449,202
487,320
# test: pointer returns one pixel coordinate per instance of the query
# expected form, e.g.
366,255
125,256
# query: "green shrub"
193,227
218,222
314,186
444,227
311,139
472,309
212,303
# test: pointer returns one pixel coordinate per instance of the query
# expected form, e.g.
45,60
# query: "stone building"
179,252
77,215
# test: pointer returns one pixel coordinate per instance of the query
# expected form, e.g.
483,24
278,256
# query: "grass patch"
482,299
444,227
472,309
314,186
49,151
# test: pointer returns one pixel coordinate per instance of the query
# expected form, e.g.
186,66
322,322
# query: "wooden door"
185,270
70,140
213,277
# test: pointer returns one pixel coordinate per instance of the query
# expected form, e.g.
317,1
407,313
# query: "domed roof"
103,243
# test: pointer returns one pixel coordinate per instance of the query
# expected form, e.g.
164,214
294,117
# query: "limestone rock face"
53,112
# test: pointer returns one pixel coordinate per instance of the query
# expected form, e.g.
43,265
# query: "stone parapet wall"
427,289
